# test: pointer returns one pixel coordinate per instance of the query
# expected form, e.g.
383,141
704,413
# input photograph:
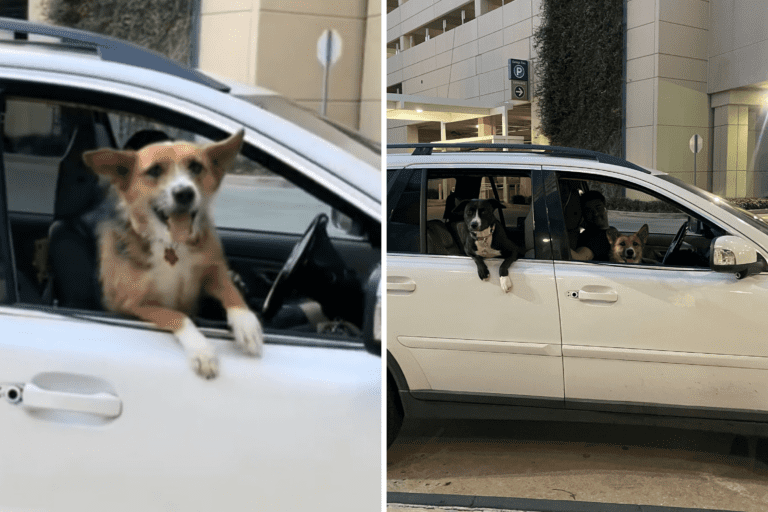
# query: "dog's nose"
474,224
184,196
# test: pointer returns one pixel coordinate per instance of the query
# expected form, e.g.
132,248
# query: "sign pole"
326,69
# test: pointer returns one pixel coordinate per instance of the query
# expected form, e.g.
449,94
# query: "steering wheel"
676,242
299,256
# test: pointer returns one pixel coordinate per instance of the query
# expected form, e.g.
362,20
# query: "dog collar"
476,234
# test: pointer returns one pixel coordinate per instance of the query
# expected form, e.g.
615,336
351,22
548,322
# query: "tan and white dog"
161,251
627,248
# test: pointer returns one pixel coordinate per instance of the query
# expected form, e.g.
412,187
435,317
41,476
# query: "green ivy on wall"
161,25
579,73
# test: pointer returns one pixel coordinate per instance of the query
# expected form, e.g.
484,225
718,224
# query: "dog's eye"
195,168
155,171
622,244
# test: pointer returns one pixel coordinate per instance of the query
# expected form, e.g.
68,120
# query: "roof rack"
555,151
112,50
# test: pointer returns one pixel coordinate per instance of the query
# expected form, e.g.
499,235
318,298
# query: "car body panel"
180,441
519,338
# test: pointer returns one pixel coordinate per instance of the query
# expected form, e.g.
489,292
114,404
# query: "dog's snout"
474,224
184,196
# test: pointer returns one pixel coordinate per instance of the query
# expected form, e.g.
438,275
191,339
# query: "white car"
677,340
102,412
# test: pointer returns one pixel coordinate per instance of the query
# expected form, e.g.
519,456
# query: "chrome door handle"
400,284
101,404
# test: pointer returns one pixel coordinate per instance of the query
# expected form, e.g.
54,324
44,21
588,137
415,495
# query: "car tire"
394,412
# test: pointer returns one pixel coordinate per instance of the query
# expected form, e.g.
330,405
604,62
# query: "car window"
38,133
663,232
445,191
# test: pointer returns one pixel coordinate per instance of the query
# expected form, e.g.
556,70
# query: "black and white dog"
483,236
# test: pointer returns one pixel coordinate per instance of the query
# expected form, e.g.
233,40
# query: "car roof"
106,48
525,154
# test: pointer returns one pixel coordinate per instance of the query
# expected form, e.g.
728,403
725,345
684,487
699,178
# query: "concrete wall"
667,100
273,43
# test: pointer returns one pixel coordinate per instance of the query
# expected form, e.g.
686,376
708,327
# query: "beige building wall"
667,101
273,44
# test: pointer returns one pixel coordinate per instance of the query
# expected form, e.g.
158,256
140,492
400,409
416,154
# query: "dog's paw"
200,353
506,283
246,327
204,364
484,273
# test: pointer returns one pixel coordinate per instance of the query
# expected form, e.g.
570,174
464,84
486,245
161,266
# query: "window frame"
641,186
542,195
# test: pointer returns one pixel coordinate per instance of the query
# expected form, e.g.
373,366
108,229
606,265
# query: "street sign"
329,47
696,143
517,71
328,53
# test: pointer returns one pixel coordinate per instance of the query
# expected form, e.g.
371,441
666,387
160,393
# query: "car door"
661,337
451,333
105,414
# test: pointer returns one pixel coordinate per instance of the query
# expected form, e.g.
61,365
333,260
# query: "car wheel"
394,412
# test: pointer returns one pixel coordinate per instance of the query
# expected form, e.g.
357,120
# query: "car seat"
72,242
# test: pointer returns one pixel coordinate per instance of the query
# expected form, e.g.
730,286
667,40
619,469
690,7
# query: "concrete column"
485,127
443,132
405,43
481,7
731,156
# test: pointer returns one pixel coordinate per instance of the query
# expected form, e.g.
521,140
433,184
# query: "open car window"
261,215
444,193
676,236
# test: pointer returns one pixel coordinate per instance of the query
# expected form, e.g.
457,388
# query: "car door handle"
400,284
596,293
101,403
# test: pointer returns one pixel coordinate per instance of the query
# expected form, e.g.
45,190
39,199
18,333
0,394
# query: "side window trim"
680,203
7,264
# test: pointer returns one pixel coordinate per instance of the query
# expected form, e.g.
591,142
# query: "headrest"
77,187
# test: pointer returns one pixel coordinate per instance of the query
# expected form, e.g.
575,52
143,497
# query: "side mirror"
346,224
372,314
735,255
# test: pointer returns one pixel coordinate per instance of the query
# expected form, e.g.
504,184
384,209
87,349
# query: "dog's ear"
223,153
112,163
642,233
612,234
496,203
460,207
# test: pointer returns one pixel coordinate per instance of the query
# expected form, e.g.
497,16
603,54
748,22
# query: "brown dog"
627,248
161,251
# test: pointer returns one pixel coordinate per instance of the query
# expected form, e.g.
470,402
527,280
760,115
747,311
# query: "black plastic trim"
528,504
396,372
6,241
451,405
555,151
114,50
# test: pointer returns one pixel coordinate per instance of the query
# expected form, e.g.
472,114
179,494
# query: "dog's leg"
246,327
482,268
200,353
504,279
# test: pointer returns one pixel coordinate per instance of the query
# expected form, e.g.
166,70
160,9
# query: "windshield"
750,218
340,136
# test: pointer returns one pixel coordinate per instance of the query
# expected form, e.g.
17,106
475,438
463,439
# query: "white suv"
677,340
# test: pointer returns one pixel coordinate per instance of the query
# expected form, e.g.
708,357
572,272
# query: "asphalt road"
577,463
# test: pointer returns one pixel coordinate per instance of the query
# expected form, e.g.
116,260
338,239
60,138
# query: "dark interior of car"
313,283
441,236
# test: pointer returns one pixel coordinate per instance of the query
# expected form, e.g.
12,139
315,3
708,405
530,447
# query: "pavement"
571,468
